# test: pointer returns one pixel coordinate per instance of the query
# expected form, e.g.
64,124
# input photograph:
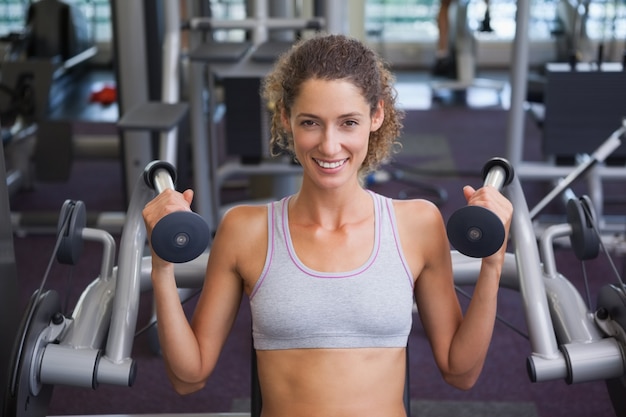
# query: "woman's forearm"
472,340
179,345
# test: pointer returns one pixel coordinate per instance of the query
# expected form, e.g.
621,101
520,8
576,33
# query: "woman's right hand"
166,202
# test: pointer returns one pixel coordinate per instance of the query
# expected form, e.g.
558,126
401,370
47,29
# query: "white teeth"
330,165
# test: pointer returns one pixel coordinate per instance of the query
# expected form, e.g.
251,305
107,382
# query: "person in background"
331,272
445,63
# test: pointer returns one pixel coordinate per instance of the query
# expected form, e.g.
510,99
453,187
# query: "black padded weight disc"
180,236
475,231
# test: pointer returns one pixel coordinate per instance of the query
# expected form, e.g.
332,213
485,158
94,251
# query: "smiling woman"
331,124
361,74
331,272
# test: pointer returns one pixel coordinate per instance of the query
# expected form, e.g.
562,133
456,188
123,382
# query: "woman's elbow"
186,388
189,382
461,382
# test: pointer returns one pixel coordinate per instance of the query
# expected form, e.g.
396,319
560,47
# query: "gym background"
71,144
404,30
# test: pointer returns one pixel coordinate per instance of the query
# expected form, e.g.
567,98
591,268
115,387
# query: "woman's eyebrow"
341,116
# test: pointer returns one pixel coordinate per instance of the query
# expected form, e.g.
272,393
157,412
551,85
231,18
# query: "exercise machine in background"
569,339
39,68
594,79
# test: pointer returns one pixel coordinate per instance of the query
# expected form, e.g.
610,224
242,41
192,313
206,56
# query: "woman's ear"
378,117
284,118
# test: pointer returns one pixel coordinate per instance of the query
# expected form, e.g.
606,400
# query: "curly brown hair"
334,57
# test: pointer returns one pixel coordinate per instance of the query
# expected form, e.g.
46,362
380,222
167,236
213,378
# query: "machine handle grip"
180,236
476,231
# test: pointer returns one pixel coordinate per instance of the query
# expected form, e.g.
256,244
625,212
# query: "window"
12,14
392,22
414,20
97,12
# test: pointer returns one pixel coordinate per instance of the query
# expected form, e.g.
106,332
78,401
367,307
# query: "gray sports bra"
295,307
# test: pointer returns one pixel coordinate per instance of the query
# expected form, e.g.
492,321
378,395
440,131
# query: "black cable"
68,291
594,226
39,291
60,233
586,281
498,317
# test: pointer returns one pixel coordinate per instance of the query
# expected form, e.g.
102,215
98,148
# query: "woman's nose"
330,143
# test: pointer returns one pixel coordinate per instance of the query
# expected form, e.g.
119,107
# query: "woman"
332,271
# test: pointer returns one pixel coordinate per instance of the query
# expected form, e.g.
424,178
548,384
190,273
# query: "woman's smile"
330,164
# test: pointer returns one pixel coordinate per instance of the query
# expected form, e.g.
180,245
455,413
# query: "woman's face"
330,123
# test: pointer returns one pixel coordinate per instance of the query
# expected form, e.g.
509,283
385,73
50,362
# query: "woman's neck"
331,208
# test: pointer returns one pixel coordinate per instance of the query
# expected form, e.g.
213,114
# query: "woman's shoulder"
245,216
242,230
422,233
416,212
415,204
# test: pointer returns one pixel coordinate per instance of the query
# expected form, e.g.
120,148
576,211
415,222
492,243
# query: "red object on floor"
106,96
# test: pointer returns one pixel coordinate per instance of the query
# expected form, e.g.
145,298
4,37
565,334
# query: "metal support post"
519,77
9,295
129,39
